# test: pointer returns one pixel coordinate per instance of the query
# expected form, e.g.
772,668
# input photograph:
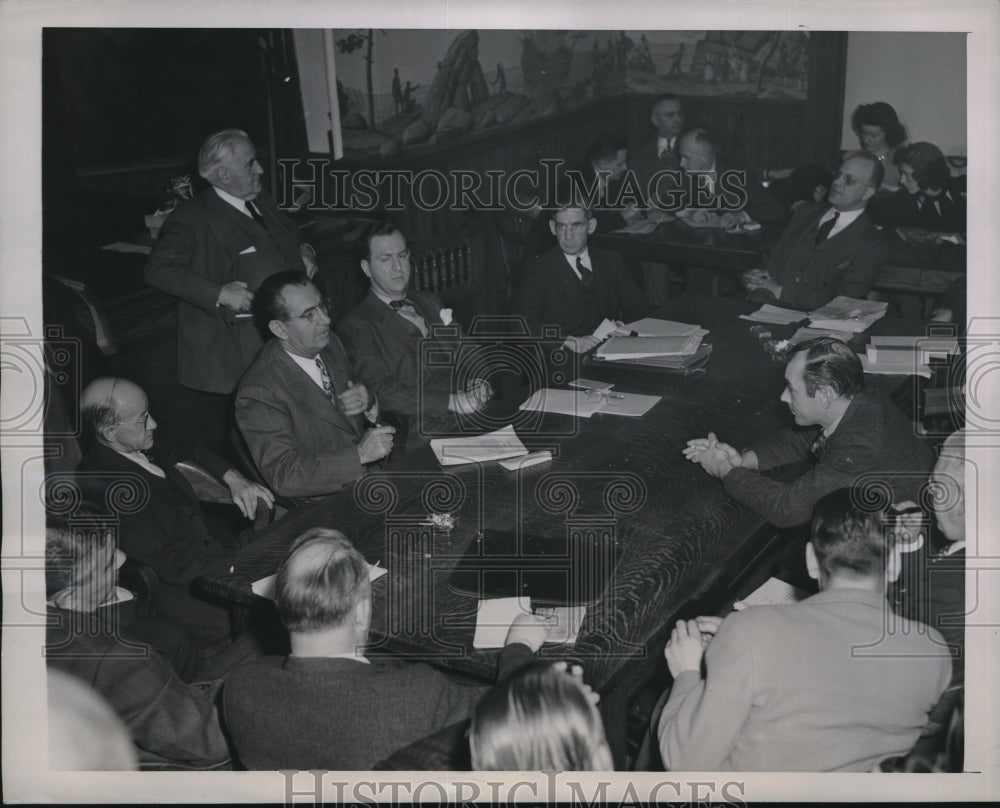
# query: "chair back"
452,268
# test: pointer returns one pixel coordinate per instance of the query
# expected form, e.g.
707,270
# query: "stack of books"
906,355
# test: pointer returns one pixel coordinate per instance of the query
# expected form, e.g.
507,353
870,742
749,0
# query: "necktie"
816,450
586,275
257,217
327,384
824,229
667,149
405,309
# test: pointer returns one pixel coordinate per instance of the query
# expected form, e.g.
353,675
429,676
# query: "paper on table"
265,586
590,384
639,227
561,402
897,367
632,404
532,459
775,314
605,329
889,347
773,592
641,347
652,327
805,332
495,616
848,314
498,445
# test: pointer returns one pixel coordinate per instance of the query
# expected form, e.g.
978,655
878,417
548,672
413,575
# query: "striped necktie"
327,384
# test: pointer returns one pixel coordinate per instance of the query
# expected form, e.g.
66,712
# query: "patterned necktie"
257,217
824,229
816,450
405,309
327,384
586,275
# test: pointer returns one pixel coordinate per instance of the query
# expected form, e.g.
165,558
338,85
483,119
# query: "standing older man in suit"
298,407
659,153
829,249
213,253
383,335
574,286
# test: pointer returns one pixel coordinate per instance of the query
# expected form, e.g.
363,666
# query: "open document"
498,445
848,314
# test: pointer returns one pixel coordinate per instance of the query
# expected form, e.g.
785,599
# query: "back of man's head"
320,582
79,563
605,148
849,535
216,148
268,303
829,361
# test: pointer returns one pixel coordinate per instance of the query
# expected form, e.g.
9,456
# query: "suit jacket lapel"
307,393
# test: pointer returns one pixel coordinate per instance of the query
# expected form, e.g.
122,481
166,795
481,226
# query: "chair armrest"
206,487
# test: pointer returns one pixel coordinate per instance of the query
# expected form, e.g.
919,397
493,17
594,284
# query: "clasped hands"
760,280
472,399
717,458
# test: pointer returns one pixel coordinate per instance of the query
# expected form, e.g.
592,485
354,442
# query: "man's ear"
277,328
222,176
812,563
367,269
869,193
591,226
826,395
552,227
363,614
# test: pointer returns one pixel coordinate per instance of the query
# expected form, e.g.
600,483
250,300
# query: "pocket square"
248,250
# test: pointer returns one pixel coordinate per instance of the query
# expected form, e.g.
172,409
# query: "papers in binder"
848,314
265,586
775,314
773,592
644,347
498,445
495,616
652,327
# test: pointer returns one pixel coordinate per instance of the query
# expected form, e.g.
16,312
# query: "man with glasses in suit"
310,427
830,248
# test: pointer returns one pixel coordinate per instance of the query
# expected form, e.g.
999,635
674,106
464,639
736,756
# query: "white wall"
923,76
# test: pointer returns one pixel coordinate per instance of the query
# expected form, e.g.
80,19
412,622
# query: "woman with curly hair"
880,133
930,197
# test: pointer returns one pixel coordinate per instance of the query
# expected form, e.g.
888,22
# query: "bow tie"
398,304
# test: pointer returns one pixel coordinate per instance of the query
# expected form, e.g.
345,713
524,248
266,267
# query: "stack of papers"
904,356
496,615
497,445
775,314
645,347
578,403
805,333
652,327
848,314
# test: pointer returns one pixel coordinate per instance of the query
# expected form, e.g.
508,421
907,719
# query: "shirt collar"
235,201
584,256
845,218
384,298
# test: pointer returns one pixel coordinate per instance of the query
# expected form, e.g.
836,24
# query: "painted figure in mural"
709,75
675,64
501,79
397,93
408,103
342,98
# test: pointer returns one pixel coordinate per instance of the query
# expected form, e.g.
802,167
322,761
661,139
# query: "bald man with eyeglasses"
830,248
311,426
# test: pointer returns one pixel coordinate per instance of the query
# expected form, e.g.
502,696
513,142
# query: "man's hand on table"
529,629
718,459
245,493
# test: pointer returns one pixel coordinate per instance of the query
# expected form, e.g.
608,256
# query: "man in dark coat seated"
328,706
861,433
575,287
162,524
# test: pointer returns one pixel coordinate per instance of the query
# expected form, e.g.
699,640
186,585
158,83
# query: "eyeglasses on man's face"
143,420
848,180
315,314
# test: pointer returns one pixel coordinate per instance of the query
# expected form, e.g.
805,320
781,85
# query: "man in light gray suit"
310,428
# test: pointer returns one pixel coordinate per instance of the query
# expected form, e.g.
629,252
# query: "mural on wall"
403,89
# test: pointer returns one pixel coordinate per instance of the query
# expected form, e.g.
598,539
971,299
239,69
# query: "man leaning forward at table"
828,249
300,411
383,335
860,432
574,286
832,683
326,705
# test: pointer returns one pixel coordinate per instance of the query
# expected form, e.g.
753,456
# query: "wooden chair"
452,269
515,231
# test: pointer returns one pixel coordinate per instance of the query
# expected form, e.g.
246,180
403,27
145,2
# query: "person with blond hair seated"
542,718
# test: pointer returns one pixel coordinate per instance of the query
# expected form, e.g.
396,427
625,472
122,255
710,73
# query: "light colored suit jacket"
828,684
303,445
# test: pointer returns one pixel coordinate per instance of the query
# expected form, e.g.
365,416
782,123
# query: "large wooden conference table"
674,533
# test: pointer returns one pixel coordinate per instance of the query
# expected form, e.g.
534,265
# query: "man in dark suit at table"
720,183
576,287
212,254
326,705
828,249
861,434
384,332
301,412
162,524
830,683
659,153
